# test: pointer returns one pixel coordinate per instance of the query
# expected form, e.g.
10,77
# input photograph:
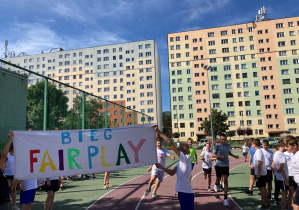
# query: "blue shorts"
192,166
27,196
186,201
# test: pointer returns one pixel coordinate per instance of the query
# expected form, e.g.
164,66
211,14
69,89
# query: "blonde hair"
184,148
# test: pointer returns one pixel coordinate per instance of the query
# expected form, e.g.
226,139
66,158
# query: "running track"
129,196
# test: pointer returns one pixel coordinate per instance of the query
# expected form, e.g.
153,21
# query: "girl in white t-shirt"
245,150
183,171
206,157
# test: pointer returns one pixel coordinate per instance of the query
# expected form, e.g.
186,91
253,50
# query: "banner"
46,154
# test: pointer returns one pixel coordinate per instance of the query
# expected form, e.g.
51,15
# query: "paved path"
130,195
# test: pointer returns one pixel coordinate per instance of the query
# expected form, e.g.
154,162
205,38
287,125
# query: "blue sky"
34,25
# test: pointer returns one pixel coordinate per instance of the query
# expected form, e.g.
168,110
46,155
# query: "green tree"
167,127
56,106
219,123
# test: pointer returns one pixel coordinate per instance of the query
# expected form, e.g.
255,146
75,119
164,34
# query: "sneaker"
146,192
209,189
60,189
154,194
221,187
105,186
215,188
225,202
249,192
109,185
15,208
262,207
276,203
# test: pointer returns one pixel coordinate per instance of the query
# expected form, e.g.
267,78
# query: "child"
162,153
205,156
28,190
268,160
192,153
280,168
183,170
51,186
245,150
4,187
260,173
291,144
106,180
9,173
251,167
293,147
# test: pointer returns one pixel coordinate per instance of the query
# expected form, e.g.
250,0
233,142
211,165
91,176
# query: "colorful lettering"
65,136
80,136
92,154
103,159
122,150
61,162
92,135
33,159
71,158
105,135
136,149
45,164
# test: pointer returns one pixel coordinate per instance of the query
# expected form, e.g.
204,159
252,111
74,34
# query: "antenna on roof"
262,15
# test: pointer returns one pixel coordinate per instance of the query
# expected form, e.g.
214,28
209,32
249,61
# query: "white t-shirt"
295,167
207,163
259,156
289,157
9,169
245,149
204,148
161,156
268,158
183,182
279,157
30,184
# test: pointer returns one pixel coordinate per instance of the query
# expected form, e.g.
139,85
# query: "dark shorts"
186,200
269,175
252,172
10,177
27,196
207,171
245,154
54,186
281,185
296,198
220,171
192,166
261,182
292,182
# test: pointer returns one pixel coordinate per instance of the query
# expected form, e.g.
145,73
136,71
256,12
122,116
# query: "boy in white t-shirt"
157,174
268,161
260,173
245,150
205,156
28,189
183,171
293,147
280,168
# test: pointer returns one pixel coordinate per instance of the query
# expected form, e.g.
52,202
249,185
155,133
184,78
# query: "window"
290,111
281,44
279,25
223,33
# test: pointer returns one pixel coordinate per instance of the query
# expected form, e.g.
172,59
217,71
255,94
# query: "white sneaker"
215,188
225,202
15,208
209,189
154,194
146,192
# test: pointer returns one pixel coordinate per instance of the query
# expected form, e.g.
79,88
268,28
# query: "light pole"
206,67
177,118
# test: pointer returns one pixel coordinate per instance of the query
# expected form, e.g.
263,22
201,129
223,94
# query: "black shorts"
269,175
261,182
10,177
54,186
207,171
281,185
296,198
245,154
220,171
252,172
292,182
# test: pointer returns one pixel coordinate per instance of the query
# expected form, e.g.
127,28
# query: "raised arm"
6,148
168,141
171,172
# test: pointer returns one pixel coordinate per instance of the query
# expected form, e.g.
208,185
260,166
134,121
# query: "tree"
240,131
229,134
93,117
167,128
219,123
248,131
56,106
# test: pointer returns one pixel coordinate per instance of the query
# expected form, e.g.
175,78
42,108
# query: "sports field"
129,186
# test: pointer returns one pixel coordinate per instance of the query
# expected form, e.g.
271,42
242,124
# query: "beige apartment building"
128,73
253,77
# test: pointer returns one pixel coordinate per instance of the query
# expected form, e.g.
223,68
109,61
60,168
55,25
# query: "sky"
31,26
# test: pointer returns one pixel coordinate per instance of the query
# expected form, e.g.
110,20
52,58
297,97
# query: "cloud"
69,10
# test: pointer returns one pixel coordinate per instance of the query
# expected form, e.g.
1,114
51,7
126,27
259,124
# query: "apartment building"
127,73
253,77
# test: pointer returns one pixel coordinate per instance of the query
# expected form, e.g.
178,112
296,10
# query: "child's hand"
48,183
196,162
22,188
237,156
149,169
10,135
172,157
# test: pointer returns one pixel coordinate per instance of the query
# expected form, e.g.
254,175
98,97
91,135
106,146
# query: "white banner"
45,154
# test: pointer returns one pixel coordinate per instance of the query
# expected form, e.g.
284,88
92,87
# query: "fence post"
83,110
134,118
122,116
106,116
149,120
143,119
45,104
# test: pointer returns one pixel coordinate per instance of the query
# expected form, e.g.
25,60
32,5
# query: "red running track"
130,194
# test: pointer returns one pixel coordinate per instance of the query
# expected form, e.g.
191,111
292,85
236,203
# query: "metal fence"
53,105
